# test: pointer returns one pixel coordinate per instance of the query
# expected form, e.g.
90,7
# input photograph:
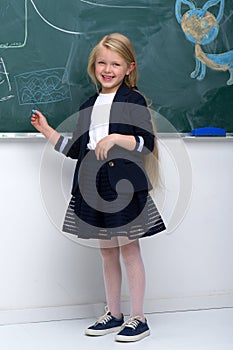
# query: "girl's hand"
103,146
39,121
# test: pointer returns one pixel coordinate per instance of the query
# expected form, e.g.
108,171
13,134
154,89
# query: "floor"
199,330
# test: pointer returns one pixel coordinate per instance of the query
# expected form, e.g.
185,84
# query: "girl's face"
110,69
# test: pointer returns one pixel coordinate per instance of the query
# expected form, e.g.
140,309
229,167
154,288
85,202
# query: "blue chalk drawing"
44,86
201,27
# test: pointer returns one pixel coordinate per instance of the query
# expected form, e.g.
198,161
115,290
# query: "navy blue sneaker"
133,330
105,324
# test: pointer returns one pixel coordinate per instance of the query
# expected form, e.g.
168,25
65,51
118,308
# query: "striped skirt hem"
148,223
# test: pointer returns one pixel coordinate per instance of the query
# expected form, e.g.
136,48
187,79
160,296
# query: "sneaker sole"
95,332
125,338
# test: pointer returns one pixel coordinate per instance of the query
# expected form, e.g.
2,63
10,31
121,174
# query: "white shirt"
99,126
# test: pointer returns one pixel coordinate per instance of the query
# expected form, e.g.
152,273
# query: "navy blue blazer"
129,115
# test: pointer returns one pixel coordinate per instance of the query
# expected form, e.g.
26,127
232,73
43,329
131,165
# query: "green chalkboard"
44,48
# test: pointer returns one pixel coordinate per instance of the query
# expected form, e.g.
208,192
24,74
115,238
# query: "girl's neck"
107,93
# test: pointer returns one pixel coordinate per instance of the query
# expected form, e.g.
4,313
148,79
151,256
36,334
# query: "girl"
114,137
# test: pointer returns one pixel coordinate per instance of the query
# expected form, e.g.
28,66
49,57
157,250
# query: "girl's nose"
107,68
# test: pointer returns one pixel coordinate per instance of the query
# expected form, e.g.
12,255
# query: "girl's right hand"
39,121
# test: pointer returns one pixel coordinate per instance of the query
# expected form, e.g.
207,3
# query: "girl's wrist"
114,138
51,134
46,130
126,141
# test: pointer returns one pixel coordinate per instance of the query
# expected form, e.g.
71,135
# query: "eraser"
208,131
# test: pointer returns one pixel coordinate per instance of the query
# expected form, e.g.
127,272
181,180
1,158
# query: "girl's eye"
116,65
101,62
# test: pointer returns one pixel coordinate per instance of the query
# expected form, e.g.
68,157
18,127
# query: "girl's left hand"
103,146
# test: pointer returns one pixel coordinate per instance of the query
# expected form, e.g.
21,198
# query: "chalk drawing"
13,24
18,10
44,86
5,85
201,27
83,1
52,25
113,6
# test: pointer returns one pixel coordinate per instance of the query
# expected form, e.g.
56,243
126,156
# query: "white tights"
112,275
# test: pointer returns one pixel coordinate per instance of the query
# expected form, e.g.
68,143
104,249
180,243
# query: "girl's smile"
110,70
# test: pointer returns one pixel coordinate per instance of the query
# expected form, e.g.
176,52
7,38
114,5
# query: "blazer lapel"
118,113
118,109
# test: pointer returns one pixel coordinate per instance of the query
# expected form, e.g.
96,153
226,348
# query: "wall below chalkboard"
44,48
34,287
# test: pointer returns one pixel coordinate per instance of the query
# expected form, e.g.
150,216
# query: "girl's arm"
105,144
39,122
142,137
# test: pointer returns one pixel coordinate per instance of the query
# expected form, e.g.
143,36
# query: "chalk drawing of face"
199,29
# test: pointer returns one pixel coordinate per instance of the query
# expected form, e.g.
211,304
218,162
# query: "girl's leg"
112,276
136,276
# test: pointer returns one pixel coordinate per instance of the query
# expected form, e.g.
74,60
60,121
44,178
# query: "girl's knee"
110,253
130,251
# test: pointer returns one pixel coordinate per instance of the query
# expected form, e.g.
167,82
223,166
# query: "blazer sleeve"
142,123
71,147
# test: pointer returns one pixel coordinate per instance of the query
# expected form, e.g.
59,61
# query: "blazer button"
111,164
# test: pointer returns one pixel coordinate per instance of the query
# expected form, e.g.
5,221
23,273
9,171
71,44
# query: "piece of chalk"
33,111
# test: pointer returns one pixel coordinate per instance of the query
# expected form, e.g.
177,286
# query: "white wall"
45,275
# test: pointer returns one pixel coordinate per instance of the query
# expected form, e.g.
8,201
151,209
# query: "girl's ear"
211,3
131,68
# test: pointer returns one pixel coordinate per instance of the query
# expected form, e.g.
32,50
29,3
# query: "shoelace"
132,322
105,318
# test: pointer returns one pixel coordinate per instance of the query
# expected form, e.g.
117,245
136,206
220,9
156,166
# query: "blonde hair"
151,162
124,48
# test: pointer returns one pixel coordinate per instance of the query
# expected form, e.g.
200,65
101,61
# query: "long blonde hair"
124,48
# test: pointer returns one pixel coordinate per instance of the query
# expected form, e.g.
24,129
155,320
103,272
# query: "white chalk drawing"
67,31
5,85
52,25
13,33
44,86
19,9
37,87
113,6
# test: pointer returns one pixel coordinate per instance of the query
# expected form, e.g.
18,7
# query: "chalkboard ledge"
184,136
228,138
187,137
25,136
